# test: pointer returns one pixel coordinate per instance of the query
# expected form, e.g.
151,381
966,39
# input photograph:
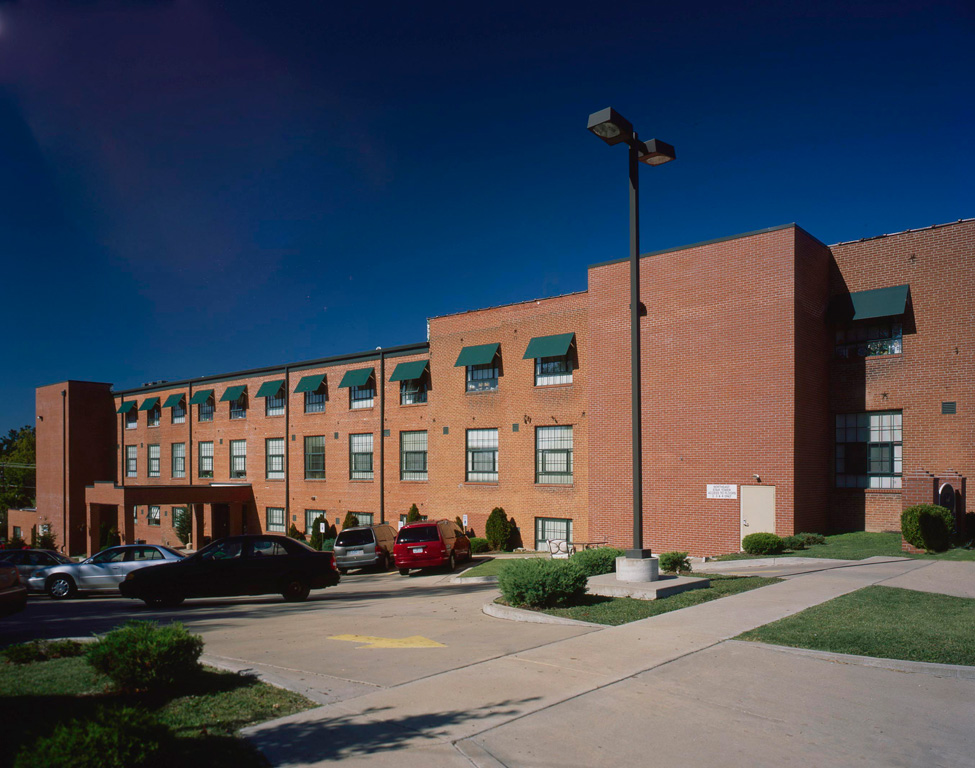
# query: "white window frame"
154,459
482,446
361,456
274,462
238,459
178,454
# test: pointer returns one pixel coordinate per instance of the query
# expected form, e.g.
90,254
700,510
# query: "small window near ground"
275,520
549,529
153,517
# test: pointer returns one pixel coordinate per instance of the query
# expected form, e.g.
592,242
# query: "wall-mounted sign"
720,491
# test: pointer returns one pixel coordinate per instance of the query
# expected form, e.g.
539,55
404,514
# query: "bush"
143,656
479,545
328,545
498,529
538,583
47,541
351,520
294,533
762,544
413,516
42,650
794,543
16,543
928,526
812,539
675,562
114,738
595,562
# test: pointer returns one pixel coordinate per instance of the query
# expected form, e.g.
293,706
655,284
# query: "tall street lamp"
610,126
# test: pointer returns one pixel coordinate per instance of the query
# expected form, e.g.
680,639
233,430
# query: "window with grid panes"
868,450
153,452
205,409
553,454
153,518
153,415
238,407
274,405
549,529
131,419
482,455
412,392
205,460
311,515
360,457
413,455
179,459
553,370
275,520
868,340
178,412
131,461
274,458
238,458
482,378
315,401
314,457
365,518
362,397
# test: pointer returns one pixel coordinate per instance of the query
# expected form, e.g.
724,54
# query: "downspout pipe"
382,435
287,447
64,472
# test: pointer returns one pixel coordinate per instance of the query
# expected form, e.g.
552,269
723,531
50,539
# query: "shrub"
762,544
113,738
47,541
675,562
594,562
294,533
479,545
794,543
328,545
143,656
413,516
812,539
317,535
538,583
498,529
16,543
351,520
928,526
42,650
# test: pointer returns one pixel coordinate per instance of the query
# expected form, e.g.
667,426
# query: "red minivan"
430,545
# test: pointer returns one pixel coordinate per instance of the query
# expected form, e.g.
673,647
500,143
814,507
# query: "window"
238,458
550,528
362,397
412,392
205,463
131,461
274,405
482,455
314,457
179,459
311,515
153,415
205,409
274,458
131,418
268,548
360,457
275,520
413,455
153,460
553,370
365,518
315,402
180,514
868,450
553,455
238,407
868,340
179,412
482,378
153,518
18,532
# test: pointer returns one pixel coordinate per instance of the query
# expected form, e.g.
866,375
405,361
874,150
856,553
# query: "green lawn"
204,714
884,622
621,610
861,545
492,567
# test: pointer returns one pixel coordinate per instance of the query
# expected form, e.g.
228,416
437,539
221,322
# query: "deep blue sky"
189,188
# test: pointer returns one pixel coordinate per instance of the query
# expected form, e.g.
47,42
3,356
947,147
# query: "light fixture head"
610,126
656,152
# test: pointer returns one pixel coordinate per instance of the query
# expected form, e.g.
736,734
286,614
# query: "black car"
237,565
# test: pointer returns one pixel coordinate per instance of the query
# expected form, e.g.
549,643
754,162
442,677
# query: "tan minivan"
365,546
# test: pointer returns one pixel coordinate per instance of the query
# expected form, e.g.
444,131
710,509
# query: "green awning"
233,393
173,400
481,354
310,383
270,388
149,403
357,378
127,406
201,396
409,371
866,305
549,346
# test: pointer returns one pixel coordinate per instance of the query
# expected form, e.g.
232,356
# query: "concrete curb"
953,671
823,563
474,579
533,617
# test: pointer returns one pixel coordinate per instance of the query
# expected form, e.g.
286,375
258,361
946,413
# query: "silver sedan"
101,572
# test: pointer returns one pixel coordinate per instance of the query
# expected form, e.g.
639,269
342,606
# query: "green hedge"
762,544
42,650
675,562
595,562
479,545
794,543
143,656
928,526
538,583
812,538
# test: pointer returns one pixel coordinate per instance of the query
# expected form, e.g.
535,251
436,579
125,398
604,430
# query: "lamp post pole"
613,128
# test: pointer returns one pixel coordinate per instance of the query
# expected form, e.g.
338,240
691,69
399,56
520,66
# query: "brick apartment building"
787,386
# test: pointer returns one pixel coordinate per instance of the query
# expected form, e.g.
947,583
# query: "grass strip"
492,567
861,545
883,622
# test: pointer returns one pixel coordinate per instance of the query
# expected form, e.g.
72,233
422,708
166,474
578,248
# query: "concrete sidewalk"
448,719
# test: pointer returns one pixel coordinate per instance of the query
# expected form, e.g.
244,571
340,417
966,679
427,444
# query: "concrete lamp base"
637,568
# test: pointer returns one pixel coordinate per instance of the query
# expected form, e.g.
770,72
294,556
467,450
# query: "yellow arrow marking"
367,641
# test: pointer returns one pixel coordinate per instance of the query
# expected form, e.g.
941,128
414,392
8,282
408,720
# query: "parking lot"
292,641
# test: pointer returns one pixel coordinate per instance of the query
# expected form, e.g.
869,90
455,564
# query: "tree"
351,521
413,516
46,540
317,535
18,452
498,529
294,533
183,524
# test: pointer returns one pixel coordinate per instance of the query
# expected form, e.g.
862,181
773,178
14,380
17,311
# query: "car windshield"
417,534
60,558
173,552
354,538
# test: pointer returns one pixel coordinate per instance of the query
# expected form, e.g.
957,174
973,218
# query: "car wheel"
61,587
404,571
295,589
452,563
171,601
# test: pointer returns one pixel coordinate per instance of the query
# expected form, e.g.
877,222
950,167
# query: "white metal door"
757,509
